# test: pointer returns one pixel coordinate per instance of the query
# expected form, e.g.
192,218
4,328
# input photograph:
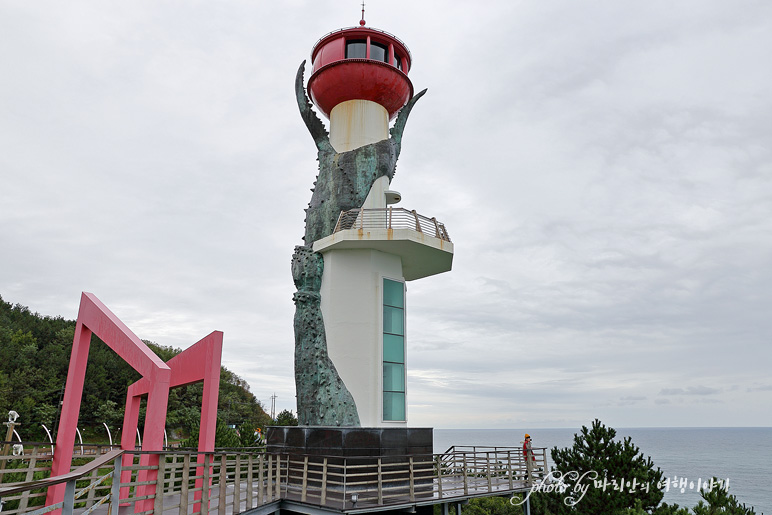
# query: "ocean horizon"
687,455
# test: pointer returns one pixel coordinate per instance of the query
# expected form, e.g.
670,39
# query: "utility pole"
273,406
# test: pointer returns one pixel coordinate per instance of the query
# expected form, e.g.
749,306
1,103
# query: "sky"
604,170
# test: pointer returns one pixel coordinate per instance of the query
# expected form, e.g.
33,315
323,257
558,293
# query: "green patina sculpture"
323,399
343,182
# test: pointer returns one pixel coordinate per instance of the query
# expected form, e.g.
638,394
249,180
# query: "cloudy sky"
603,168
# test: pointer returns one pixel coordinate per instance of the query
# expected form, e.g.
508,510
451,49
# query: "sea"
690,456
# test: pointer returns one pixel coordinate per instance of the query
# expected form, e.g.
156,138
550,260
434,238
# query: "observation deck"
422,243
256,482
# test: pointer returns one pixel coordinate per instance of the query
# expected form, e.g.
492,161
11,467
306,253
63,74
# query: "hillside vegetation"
34,357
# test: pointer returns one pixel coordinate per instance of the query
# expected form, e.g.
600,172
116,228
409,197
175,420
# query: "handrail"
369,28
391,218
233,479
78,473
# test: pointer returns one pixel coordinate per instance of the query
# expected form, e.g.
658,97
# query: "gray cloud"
606,183
691,390
760,388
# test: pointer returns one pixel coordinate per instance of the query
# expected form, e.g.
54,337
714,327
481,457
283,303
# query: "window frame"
388,363
353,41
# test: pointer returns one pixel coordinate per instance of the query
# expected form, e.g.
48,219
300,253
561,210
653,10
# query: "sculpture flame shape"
343,183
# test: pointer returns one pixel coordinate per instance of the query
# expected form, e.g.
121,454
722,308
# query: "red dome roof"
360,63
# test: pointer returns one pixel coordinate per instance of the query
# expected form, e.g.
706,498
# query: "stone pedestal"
400,454
371,442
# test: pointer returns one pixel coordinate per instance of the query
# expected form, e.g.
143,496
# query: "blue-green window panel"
393,320
394,406
393,348
393,377
393,293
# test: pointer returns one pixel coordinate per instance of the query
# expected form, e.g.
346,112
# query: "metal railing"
370,28
237,481
390,218
34,465
75,488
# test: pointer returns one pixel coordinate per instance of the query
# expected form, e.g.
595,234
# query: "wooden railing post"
250,480
304,484
203,507
278,475
30,476
324,481
91,493
69,498
115,490
222,485
380,481
345,473
269,483
466,484
260,479
417,222
412,481
237,485
439,476
488,469
158,504
509,468
184,485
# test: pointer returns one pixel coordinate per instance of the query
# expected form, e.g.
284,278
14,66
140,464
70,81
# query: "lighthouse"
359,81
360,247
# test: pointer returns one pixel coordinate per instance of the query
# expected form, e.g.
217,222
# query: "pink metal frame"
200,362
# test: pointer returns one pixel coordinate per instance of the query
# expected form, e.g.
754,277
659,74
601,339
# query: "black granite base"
400,453
350,441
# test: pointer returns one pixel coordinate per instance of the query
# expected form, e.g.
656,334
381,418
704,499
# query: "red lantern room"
360,63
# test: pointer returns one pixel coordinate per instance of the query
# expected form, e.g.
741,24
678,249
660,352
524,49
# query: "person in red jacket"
528,456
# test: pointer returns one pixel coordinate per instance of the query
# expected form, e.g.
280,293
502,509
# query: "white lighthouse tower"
359,81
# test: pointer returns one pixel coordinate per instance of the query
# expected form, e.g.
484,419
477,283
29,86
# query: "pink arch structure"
200,362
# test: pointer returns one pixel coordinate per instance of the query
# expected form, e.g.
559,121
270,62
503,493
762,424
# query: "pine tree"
720,501
615,474
286,418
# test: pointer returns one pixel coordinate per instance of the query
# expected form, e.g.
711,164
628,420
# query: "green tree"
224,436
592,470
667,509
109,413
286,418
248,436
491,506
662,509
34,359
718,500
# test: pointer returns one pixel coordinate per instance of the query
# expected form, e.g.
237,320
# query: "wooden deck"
253,480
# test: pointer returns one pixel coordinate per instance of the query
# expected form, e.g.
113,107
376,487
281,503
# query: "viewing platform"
422,243
257,482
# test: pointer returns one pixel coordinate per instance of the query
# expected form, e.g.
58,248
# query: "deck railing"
391,218
241,480
35,464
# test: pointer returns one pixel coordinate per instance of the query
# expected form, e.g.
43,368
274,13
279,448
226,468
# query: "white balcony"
423,243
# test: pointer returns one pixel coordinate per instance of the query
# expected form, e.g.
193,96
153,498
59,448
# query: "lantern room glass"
356,49
379,52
